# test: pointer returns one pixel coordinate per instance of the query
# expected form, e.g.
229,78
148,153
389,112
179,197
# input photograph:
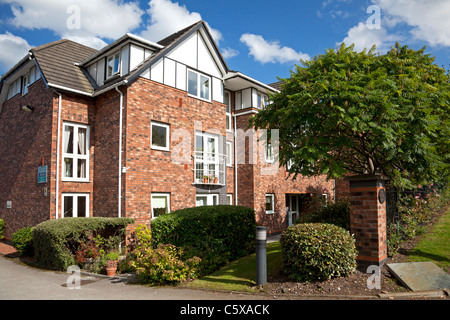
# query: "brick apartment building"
137,129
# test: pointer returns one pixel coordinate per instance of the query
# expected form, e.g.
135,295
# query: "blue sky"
263,39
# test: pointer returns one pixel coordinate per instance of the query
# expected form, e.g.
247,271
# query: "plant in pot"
205,179
112,258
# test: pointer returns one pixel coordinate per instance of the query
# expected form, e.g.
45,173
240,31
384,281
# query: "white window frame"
198,95
75,203
25,84
325,199
270,211
261,100
209,198
230,198
74,155
227,101
229,153
167,196
268,152
207,157
162,125
113,57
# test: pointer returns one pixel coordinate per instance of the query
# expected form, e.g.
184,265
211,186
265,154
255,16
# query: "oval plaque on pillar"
382,195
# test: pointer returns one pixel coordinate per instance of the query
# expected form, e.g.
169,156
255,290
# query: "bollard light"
261,256
261,233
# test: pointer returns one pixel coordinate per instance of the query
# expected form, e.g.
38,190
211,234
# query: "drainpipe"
120,153
58,143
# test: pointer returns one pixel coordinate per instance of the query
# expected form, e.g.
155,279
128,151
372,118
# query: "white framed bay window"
75,156
75,205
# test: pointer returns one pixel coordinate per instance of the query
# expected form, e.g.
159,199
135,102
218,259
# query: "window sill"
198,98
160,149
75,180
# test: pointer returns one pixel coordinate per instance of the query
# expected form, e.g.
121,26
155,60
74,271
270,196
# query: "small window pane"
201,201
68,167
68,207
159,136
68,139
81,207
160,205
269,202
81,168
82,141
204,82
192,83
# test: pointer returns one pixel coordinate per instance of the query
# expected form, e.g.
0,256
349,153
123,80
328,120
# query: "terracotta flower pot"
111,271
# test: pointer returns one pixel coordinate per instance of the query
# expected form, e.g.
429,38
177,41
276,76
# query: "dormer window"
113,65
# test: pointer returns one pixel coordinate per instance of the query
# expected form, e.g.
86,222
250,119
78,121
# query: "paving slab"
420,276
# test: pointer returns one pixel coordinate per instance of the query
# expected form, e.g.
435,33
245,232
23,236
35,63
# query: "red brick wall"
24,141
153,170
79,110
106,158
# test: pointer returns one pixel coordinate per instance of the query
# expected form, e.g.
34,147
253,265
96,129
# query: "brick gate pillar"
368,219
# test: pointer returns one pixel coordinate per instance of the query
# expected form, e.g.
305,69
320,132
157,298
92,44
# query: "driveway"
19,281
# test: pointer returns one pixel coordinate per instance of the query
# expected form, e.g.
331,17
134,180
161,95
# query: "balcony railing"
209,168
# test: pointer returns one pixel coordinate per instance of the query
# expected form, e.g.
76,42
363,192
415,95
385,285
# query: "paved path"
19,281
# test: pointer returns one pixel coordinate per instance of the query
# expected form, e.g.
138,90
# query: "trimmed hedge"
2,228
22,240
317,251
216,234
55,241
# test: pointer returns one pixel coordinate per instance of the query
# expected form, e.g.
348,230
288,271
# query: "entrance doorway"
292,201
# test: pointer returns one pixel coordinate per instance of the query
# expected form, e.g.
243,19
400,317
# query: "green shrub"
317,251
216,234
2,228
164,264
337,213
22,240
58,241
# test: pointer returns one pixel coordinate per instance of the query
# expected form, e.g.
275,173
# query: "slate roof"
57,61
276,85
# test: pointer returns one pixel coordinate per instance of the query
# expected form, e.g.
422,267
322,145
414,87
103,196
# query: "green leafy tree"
348,112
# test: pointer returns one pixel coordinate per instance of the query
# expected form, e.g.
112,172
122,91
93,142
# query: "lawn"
240,275
435,244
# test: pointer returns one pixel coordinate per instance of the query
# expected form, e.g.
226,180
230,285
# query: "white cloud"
14,48
270,51
167,17
428,19
228,53
364,38
87,21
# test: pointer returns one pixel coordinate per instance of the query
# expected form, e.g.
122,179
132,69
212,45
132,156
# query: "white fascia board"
235,74
56,86
150,43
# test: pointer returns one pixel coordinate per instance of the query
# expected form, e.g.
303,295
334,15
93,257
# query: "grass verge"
240,275
435,244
